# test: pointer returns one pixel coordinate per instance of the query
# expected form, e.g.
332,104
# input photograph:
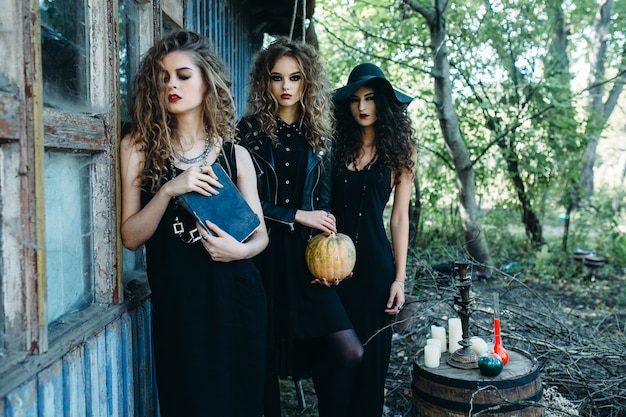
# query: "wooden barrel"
447,391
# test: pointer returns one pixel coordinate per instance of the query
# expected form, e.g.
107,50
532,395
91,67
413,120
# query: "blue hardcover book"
228,209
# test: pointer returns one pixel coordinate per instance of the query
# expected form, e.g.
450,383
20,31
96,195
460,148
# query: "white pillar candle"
435,342
439,332
479,345
455,334
431,356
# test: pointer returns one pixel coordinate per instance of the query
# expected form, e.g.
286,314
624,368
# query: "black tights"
335,363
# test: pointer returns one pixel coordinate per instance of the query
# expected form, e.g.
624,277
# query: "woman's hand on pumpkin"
327,283
317,219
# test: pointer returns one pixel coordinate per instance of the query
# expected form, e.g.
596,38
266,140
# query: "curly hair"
152,125
395,142
316,114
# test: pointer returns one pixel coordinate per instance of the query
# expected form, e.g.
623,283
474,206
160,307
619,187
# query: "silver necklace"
196,159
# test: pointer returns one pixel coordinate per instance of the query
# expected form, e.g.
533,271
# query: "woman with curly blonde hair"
288,130
209,308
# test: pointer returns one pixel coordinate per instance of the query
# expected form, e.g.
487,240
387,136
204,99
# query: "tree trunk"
475,240
531,222
558,61
620,180
599,111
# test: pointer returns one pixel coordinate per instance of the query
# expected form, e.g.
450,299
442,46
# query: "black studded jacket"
317,183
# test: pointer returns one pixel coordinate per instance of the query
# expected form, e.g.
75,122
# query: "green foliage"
544,268
522,113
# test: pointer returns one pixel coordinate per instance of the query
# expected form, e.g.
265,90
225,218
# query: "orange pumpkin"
330,257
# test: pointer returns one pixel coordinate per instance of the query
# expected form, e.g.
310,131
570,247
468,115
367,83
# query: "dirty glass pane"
128,23
129,31
64,53
69,243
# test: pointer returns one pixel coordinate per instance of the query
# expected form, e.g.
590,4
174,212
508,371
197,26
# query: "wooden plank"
32,195
95,376
107,281
145,395
144,348
22,402
50,390
101,72
148,359
142,361
79,132
146,27
126,366
14,337
10,110
174,9
73,384
114,379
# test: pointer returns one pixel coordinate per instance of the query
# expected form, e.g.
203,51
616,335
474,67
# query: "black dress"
298,309
292,177
359,199
209,323
304,310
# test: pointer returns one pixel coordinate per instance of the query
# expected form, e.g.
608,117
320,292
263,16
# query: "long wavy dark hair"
316,118
395,139
152,125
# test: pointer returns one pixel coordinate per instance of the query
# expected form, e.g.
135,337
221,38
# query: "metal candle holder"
464,357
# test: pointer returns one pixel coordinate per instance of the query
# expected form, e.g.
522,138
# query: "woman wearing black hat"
287,130
374,157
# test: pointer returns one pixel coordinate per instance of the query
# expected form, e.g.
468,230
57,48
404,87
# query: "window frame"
27,131
96,134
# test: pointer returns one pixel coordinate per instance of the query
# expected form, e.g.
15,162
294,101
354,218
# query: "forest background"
520,117
519,112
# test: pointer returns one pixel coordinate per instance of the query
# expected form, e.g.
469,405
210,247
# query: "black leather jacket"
316,190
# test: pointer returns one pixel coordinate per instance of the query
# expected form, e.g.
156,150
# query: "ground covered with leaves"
575,327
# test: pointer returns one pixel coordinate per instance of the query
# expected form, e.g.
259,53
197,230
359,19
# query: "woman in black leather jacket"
289,116
315,192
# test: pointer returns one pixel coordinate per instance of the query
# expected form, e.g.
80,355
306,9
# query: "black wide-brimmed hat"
366,73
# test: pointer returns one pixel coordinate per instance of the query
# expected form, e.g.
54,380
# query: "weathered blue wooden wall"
227,24
109,374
